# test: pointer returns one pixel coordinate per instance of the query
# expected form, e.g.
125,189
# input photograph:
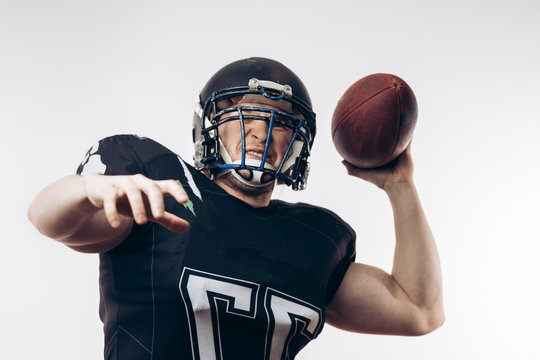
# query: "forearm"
416,267
62,208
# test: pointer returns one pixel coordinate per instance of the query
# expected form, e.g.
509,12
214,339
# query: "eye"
278,127
281,120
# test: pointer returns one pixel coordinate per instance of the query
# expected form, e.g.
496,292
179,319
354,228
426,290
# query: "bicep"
97,236
370,301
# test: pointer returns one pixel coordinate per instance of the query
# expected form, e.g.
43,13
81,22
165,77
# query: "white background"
72,72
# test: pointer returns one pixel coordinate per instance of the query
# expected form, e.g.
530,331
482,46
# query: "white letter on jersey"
288,317
287,313
200,291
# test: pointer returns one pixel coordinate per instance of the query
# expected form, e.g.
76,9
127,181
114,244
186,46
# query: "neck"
256,197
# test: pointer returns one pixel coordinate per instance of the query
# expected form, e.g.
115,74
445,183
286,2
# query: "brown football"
374,120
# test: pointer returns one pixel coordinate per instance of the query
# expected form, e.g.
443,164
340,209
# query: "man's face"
256,132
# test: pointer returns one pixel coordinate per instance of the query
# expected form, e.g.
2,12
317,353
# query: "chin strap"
255,178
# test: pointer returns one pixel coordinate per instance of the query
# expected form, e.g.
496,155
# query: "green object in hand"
188,204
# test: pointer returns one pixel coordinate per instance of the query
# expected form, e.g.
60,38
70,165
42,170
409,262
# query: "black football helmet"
263,81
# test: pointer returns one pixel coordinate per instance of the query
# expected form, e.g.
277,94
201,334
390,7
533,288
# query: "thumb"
173,222
353,170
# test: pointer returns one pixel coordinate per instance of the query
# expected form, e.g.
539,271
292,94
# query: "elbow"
429,322
31,214
35,215
433,325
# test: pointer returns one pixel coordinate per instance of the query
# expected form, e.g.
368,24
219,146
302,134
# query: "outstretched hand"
398,171
137,197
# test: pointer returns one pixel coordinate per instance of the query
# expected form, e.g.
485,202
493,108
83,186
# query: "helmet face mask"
256,100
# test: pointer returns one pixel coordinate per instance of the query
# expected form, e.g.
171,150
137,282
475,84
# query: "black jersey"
241,283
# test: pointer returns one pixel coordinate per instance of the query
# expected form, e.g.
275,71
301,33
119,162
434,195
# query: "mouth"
254,159
255,154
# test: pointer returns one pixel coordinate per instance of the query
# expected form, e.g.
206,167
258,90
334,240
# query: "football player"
197,262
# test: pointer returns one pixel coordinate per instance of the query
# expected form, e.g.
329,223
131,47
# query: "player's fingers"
135,199
173,223
353,170
374,176
154,195
175,189
110,197
407,150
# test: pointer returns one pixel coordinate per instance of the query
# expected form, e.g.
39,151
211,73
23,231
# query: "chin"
233,182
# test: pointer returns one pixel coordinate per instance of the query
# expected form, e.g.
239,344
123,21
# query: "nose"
257,129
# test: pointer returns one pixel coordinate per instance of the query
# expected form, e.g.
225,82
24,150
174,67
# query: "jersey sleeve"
341,268
322,223
345,239
115,155
130,155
